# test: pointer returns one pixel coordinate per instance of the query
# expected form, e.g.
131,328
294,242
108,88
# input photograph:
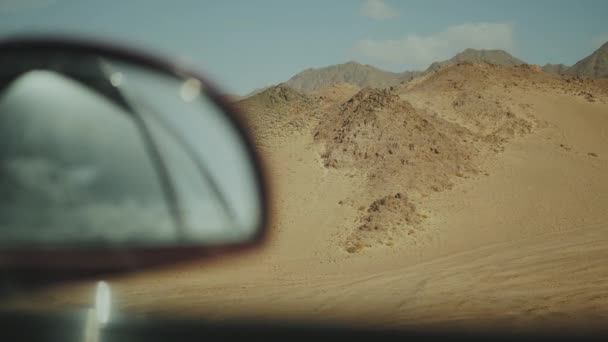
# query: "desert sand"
475,196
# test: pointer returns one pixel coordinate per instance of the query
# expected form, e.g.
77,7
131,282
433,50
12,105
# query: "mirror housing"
71,253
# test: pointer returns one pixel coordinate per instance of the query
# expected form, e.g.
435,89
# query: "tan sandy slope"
497,216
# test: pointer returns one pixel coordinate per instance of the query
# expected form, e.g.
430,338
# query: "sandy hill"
352,73
380,137
278,110
425,136
498,57
592,66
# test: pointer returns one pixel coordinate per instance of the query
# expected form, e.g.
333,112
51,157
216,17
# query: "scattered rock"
385,219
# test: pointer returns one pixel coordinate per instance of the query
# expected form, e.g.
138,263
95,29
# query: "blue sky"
246,44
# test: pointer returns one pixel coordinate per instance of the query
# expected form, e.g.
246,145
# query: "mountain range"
352,72
592,66
363,75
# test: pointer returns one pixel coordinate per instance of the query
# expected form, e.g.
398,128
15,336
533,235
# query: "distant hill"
555,69
592,66
352,73
498,57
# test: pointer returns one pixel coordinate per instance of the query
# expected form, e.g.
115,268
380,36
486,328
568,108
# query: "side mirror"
116,160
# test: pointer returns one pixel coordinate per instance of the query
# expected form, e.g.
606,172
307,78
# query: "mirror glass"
101,152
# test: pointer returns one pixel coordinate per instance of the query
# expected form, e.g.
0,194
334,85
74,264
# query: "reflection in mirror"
97,152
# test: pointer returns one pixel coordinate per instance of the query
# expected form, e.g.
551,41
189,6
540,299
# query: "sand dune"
496,217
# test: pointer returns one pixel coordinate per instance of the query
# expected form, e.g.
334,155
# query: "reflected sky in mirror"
74,168
77,169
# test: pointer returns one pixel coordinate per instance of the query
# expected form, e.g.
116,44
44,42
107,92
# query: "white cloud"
599,40
419,51
378,9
